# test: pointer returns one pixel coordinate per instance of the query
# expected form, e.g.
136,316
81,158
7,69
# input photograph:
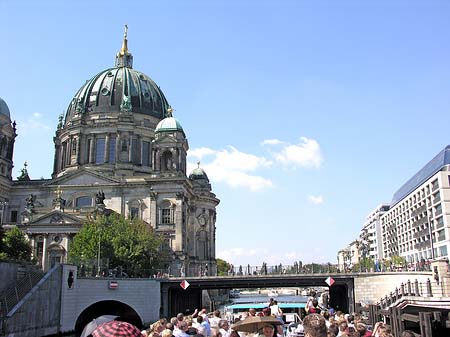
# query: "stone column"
118,147
141,144
106,157
91,150
78,149
44,253
130,148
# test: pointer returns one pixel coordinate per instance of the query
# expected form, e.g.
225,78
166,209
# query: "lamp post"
98,253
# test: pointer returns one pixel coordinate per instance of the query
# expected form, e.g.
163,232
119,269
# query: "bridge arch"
107,307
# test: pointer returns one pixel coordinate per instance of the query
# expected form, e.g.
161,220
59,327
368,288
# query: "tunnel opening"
124,312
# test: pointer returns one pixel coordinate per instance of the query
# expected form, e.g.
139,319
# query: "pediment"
58,218
165,139
83,177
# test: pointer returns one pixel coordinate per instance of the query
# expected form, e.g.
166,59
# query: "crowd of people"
316,323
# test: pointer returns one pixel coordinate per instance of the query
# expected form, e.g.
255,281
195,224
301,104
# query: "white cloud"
236,168
316,200
305,154
272,142
231,166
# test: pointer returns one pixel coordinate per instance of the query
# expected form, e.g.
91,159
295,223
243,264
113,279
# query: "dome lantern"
124,57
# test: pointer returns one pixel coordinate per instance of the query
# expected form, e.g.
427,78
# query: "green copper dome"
119,89
4,110
169,124
198,174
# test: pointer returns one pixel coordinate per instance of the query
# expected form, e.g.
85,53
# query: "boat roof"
286,305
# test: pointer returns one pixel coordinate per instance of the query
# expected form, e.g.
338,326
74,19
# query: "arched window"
166,161
166,213
83,201
202,245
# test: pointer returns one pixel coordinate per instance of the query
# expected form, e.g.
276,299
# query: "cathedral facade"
118,148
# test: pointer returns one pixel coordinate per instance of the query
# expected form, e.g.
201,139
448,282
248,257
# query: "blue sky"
305,114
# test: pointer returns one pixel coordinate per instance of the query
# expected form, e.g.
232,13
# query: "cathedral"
117,149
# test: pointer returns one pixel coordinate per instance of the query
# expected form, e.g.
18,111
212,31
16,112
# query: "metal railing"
11,296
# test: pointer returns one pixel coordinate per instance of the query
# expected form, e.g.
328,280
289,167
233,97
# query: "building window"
443,251
74,146
441,235
13,216
112,150
166,217
146,153
99,150
438,210
167,161
134,151
124,145
83,202
434,185
134,213
39,249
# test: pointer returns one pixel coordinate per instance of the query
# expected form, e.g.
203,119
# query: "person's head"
350,318
169,326
266,312
217,313
315,303
361,328
343,326
174,321
223,324
183,326
268,330
180,317
275,302
166,333
334,329
315,326
326,315
252,312
407,333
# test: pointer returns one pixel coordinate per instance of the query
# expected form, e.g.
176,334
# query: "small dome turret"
4,110
169,123
198,174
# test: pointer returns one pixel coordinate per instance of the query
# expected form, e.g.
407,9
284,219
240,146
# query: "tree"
129,245
15,246
222,267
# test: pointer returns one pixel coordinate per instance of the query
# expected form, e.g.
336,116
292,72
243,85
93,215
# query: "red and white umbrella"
117,329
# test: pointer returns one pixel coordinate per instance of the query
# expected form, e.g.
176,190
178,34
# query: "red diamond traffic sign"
329,281
184,284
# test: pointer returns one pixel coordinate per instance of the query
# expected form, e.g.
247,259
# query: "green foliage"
15,246
366,264
127,244
222,267
398,261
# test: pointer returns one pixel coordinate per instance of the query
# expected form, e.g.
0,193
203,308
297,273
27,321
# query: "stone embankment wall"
370,289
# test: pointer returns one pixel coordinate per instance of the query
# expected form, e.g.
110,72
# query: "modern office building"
370,235
416,226
117,149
